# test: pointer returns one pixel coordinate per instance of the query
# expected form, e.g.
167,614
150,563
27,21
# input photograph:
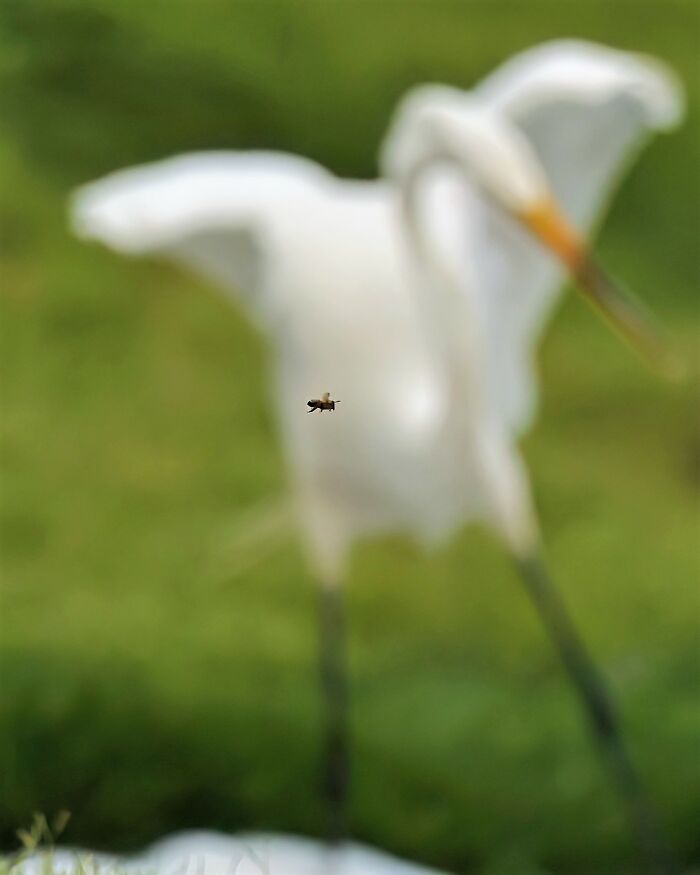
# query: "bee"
322,403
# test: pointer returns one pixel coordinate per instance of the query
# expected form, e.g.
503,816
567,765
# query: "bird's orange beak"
624,313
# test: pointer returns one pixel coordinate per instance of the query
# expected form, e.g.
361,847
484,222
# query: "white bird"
417,299
209,853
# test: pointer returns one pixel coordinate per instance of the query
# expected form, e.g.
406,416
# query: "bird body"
422,310
334,293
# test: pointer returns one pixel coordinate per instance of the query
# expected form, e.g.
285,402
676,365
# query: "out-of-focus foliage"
145,686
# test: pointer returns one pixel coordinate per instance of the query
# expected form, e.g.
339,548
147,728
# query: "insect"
322,403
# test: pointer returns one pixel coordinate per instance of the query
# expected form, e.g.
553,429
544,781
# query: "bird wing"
213,211
585,109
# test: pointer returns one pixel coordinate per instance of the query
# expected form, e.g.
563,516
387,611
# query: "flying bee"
322,403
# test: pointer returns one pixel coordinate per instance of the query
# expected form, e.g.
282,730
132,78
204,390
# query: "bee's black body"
321,404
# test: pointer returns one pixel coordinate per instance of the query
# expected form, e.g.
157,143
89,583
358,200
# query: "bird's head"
441,125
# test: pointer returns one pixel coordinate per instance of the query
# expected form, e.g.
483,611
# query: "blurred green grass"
147,687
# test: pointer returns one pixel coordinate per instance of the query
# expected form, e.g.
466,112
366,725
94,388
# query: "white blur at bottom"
211,853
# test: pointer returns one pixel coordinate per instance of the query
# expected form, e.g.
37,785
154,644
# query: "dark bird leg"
333,666
597,703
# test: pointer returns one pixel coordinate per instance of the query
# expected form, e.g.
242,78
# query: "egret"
419,298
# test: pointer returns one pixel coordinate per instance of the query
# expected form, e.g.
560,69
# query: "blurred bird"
420,297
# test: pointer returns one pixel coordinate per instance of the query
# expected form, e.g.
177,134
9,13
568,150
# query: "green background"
152,675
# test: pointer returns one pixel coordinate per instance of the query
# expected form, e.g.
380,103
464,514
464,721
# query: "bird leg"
334,683
597,703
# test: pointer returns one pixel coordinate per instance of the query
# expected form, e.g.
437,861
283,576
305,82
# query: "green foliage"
148,683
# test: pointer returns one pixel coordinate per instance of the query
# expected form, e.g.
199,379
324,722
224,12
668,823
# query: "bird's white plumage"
419,313
209,853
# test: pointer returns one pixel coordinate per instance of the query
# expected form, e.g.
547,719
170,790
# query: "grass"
37,853
148,683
